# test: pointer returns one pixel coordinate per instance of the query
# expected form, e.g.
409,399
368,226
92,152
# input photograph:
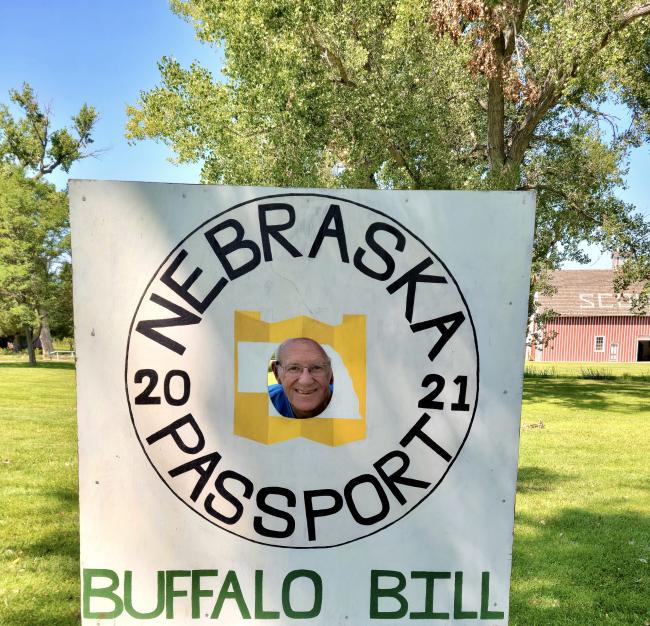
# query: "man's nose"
305,376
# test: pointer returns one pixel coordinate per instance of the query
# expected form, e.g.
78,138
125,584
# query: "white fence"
57,354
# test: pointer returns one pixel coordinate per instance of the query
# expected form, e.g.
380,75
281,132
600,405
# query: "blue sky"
105,53
102,53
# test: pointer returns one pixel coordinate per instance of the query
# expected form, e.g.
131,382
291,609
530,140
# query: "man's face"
305,375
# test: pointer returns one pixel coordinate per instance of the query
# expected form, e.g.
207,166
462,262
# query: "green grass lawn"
39,525
582,534
631,371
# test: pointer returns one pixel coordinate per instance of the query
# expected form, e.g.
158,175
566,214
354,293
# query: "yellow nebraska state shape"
252,419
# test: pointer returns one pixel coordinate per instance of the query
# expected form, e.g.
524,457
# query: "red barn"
593,323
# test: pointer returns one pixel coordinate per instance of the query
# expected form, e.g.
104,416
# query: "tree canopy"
35,276
33,236
438,94
30,143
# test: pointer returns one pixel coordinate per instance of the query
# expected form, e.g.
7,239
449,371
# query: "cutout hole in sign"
301,379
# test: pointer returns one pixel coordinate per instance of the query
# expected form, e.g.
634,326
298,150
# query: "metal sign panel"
297,404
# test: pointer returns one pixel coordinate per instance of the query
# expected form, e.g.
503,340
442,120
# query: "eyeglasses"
316,370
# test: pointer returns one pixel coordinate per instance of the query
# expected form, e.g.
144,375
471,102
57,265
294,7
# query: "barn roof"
585,293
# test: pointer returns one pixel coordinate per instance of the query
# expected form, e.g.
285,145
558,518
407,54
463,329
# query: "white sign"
297,404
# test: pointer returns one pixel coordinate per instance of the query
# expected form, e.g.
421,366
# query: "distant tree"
61,313
33,219
34,228
635,270
30,142
453,94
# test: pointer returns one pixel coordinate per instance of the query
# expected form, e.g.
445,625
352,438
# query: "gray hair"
287,342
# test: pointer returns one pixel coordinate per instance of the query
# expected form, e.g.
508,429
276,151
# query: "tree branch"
562,194
46,169
635,12
522,136
599,114
396,153
398,157
554,85
44,138
333,60
496,118
50,167
521,14
622,20
552,139
510,36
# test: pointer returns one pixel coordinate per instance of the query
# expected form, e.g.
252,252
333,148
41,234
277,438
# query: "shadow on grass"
581,568
54,554
68,497
586,395
53,365
635,483
63,540
535,479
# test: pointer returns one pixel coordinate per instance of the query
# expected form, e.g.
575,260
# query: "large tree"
33,220
34,229
442,94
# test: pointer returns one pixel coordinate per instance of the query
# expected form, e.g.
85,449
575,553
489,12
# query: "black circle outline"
329,197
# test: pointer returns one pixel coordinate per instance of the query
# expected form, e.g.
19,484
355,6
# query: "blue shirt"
280,400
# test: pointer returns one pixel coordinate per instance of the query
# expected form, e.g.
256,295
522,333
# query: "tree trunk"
17,342
30,346
496,120
45,335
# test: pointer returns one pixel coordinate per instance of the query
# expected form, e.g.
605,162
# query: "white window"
599,343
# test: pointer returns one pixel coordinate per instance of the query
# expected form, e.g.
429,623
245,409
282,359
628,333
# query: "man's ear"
275,368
